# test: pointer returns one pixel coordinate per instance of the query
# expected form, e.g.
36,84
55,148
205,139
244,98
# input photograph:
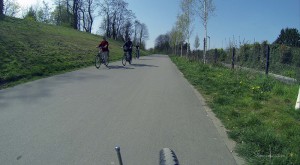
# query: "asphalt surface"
79,117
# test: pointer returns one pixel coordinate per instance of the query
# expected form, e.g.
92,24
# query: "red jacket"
104,46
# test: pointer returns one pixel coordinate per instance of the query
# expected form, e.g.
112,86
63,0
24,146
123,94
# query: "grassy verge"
31,50
257,110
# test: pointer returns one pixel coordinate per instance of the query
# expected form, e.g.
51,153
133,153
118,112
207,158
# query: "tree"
205,9
43,14
86,17
76,14
197,42
289,37
31,14
11,8
143,35
61,16
187,19
106,6
162,42
118,19
175,38
181,27
137,26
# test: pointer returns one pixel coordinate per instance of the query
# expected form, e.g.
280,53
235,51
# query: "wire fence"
269,59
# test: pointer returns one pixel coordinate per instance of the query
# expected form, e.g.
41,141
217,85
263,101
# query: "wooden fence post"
216,55
268,60
233,56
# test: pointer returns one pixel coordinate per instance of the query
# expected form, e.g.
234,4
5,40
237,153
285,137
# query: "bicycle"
126,57
101,58
166,157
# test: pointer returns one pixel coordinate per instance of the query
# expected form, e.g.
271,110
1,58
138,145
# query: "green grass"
31,50
257,110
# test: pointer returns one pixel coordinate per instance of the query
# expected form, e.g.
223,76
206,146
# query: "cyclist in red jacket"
104,46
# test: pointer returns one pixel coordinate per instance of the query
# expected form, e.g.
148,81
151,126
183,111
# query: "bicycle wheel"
167,157
97,61
124,60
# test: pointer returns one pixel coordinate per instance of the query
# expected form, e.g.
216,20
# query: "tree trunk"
75,14
181,50
1,7
91,17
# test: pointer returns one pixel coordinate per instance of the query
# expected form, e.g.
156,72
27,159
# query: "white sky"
27,3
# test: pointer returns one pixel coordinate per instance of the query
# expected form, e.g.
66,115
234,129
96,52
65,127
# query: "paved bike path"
79,117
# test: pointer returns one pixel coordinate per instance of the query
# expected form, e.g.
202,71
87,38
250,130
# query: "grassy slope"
30,50
258,111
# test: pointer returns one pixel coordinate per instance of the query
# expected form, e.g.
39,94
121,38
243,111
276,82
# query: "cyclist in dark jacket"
128,45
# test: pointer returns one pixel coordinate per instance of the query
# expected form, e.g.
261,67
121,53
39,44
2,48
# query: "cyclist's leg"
105,55
130,55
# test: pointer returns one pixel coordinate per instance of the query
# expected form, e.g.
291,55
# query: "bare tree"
197,45
143,35
187,19
43,13
11,8
174,37
205,9
106,6
181,27
137,26
90,7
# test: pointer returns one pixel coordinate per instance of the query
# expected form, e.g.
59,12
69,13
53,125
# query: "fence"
270,59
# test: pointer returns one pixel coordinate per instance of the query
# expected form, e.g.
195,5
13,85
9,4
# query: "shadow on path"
118,67
143,65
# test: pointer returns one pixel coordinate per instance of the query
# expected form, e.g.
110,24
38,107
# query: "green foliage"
257,110
289,37
31,15
286,54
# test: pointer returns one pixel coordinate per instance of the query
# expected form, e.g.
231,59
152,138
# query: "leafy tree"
289,37
60,16
31,14
162,42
